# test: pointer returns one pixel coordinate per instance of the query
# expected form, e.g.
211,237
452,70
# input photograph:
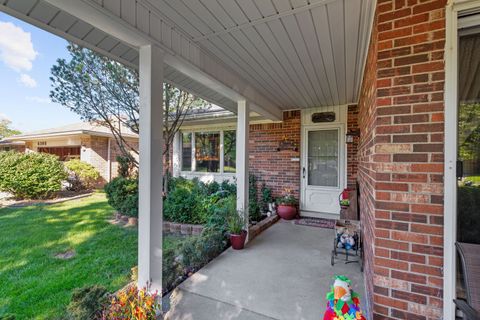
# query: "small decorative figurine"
342,302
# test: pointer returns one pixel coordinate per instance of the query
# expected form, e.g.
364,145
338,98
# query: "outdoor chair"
470,260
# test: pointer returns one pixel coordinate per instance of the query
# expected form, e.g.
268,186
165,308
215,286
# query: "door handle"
459,169
303,172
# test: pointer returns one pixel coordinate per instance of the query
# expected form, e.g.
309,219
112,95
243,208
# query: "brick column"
401,160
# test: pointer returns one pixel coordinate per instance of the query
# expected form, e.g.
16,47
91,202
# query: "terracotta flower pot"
238,240
287,212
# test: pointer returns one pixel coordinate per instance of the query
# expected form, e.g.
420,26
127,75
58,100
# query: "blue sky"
26,56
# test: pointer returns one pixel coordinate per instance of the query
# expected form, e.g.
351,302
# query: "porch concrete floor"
284,273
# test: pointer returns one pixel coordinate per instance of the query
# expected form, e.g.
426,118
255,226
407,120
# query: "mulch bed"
316,222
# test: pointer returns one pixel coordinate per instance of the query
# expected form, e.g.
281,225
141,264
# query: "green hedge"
122,195
82,175
31,175
192,201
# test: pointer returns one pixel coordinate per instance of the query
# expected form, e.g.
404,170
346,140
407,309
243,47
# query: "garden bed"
261,226
182,228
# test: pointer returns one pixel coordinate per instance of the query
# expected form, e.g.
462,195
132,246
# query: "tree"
104,91
5,130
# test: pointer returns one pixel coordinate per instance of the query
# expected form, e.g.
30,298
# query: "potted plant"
287,206
236,229
344,203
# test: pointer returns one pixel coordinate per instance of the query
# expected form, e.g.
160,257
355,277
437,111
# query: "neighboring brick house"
88,142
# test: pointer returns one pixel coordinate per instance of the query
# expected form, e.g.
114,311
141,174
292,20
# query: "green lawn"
35,284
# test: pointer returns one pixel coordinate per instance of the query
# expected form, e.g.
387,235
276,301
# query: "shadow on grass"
37,285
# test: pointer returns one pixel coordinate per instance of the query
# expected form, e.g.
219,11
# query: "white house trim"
150,169
242,157
197,64
450,180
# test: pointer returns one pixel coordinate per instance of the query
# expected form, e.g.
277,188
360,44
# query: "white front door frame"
450,179
335,191
307,124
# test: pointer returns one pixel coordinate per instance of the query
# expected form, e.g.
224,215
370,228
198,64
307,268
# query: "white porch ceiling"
298,53
279,54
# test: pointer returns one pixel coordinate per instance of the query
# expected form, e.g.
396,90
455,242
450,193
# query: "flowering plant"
288,199
133,303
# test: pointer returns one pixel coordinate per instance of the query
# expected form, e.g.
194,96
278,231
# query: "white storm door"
323,170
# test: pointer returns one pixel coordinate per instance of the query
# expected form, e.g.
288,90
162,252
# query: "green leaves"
30,175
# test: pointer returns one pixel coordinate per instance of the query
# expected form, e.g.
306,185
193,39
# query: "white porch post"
242,156
150,224
176,159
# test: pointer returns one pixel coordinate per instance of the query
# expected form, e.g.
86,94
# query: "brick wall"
352,147
401,160
280,170
273,167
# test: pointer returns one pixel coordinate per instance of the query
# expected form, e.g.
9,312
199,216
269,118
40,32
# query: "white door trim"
450,180
342,163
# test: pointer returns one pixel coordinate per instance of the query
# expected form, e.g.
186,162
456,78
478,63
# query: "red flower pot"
238,240
287,212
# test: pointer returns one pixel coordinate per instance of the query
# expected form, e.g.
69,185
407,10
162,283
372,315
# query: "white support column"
150,224
177,151
242,156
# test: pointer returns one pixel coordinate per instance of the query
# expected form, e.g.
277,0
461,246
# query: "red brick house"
88,142
404,74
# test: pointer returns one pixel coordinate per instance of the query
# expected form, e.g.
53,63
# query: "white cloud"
39,99
27,81
16,47
3,116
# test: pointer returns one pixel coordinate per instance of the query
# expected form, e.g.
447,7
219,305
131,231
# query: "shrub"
7,316
122,195
228,188
82,175
125,166
87,302
198,251
172,270
218,217
192,201
266,197
30,175
253,207
134,304
181,206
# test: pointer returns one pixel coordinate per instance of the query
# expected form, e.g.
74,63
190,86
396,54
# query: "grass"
474,179
35,284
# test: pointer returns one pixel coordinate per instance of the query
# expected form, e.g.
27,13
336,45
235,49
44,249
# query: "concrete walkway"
284,273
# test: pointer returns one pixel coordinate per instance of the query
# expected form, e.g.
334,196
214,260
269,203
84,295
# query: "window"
187,151
229,150
63,153
212,151
207,151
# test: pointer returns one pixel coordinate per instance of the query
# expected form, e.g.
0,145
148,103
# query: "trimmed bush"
87,302
122,195
31,175
198,251
82,175
192,201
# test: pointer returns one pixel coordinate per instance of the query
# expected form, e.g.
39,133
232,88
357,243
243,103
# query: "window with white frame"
209,151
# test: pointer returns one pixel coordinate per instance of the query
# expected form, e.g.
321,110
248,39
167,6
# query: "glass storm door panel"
323,169
468,143
323,160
